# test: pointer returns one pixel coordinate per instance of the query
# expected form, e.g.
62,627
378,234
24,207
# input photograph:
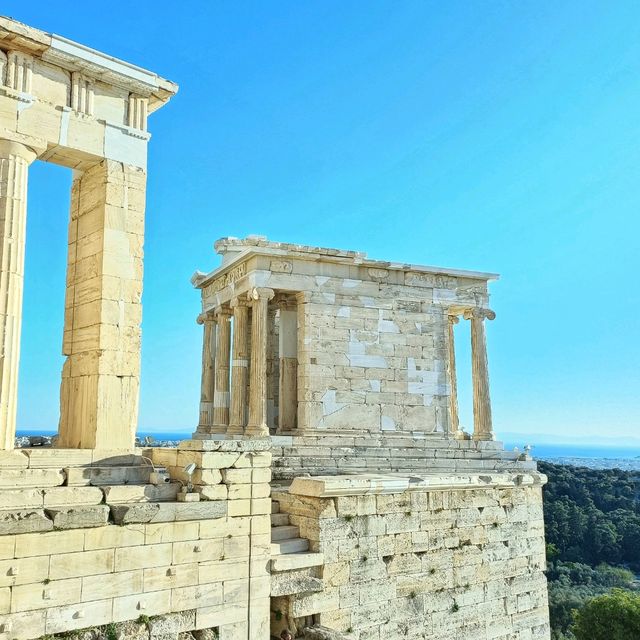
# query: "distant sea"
546,451
542,451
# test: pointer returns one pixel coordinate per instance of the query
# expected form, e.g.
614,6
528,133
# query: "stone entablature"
358,345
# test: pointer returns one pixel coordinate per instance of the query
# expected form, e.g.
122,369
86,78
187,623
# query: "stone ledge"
152,512
363,484
215,443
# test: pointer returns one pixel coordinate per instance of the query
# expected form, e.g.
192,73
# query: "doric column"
257,425
208,375
454,419
288,352
14,163
482,426
223,354
239,366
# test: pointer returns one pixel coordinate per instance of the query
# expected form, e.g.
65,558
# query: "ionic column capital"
262,293
478,313
285,301
239,301
453,319
222,313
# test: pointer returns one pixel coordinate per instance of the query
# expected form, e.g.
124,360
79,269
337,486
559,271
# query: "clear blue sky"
498,136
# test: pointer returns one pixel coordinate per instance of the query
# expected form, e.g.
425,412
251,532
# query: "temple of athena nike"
328,487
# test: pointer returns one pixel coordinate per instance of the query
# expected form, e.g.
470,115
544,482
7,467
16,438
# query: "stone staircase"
294,569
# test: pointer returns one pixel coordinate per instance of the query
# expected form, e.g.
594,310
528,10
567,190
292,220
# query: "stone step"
275,506
286,532
293,545
299,560
279,519
100,476
141,492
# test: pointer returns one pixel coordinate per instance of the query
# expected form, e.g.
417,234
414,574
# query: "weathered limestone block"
58,496
10,478
21,498
141,493
24,521
61,458
291,582
167,512
78,517
98,476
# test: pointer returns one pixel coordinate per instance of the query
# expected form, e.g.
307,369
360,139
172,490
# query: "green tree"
614,616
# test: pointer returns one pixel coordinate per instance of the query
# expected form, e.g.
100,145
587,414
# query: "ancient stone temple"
390,520
354,359
328,487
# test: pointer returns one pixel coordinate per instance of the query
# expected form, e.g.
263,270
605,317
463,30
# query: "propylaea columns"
257,424
482,424
14,166
239,366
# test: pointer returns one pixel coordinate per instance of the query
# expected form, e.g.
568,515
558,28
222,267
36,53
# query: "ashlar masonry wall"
442,557
93,549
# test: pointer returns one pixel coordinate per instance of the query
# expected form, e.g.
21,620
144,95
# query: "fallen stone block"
79,517
24,521
167,511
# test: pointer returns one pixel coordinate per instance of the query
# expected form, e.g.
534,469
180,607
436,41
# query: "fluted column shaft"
208,374
454,417
14,166
239,366
223,355
257,425
482,424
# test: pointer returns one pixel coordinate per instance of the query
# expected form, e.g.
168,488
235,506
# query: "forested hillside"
592,520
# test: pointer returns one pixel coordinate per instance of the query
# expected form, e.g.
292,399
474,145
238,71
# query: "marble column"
288,353
239,366
454,418
223,355
257,425
482,426
208,375
15,159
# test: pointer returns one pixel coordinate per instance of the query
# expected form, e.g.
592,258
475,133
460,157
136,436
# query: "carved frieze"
225,280
432,280
281,266
378,274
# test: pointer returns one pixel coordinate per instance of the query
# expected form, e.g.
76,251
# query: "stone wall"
441,557
94,550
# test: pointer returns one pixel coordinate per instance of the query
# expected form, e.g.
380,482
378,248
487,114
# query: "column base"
483,436
258,431
210,433
235,430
